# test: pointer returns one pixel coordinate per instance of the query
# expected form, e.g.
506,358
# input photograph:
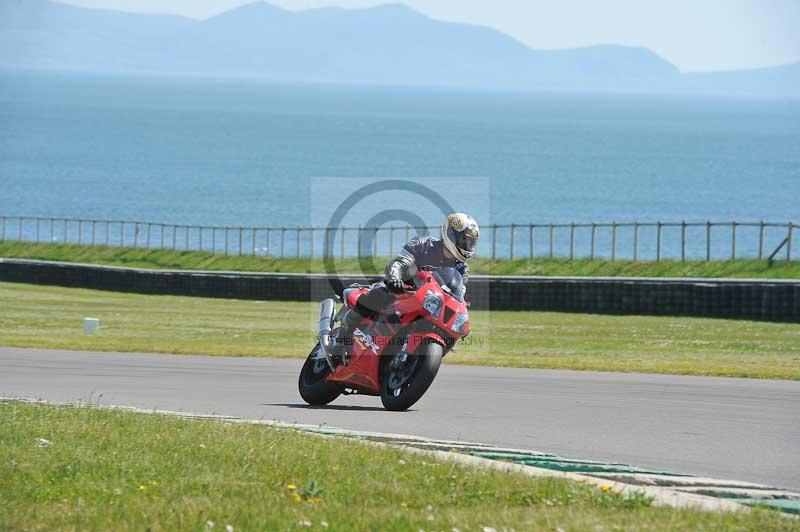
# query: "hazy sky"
694,35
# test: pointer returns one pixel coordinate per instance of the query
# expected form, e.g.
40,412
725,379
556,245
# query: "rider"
458,242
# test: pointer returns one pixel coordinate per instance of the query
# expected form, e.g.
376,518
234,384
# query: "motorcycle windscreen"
451,281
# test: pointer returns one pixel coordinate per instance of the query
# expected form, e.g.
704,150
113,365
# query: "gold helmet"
460,235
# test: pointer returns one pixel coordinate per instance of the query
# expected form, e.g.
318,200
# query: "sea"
254,153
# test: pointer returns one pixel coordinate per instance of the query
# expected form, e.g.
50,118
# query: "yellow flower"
154,482
291,487
404,504
297,497
142,488
606,488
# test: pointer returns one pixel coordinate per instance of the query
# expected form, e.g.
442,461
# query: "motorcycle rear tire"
313,387
430,358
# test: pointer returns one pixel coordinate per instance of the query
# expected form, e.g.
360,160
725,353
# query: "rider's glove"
394,284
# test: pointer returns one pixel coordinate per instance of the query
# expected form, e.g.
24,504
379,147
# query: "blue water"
195,151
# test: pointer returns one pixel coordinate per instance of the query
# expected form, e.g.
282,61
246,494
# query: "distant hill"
389,44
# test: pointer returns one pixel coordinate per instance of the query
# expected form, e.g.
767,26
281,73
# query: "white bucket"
91,325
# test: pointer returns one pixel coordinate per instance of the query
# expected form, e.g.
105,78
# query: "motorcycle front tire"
430,358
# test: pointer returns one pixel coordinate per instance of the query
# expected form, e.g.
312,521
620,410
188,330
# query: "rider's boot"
343,340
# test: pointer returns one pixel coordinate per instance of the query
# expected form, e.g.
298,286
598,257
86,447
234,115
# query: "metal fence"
615,241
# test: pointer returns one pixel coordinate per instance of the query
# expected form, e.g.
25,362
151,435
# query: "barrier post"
635,241
227,239
80,231
37,229
297,243
511,251
789,242
659,225
572,241
594,234
494,241
552,240
733,241
613,241
683,240
283,240
708,241
531,253
107,229
761,240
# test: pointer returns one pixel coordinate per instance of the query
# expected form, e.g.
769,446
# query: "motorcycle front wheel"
404,382
314,389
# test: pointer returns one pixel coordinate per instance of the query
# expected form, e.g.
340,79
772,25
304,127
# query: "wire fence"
638,241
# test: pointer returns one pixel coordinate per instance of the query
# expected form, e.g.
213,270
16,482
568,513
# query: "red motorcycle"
396,355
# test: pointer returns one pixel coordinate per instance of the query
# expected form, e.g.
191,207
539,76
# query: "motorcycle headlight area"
433,304
459,322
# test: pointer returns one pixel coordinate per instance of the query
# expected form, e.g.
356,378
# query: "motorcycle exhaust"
327,311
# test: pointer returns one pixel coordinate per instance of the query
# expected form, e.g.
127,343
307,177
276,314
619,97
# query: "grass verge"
89,469
194,260
51,317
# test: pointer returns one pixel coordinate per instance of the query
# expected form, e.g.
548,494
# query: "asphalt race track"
738,429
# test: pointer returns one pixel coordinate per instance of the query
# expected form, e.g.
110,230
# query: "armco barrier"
775,300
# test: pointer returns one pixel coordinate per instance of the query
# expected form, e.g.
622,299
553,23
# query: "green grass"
51,317
113,470
193,260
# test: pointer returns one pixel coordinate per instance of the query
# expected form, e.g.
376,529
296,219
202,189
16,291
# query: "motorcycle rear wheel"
426,360
313,387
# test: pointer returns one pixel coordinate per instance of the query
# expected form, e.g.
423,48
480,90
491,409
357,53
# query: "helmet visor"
466,244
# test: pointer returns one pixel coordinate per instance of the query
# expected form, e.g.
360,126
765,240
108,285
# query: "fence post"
572,241
80,231
658,241
149,231
613,241
227,239
107,229
283,241
531,237
297,243
552,240
254,232
683,240
375,242
494,241
733,241
37,229
94,226
708,241
511,251
592,246
267,242
66,231
213,240
21,223
53,230
761,240
121,234
789,242
136,234
200,237
635,241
